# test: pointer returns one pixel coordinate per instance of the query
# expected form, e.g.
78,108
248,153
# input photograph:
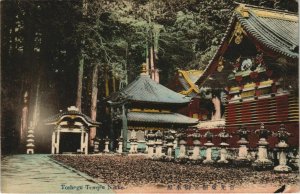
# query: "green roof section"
144,89
277,32
157,117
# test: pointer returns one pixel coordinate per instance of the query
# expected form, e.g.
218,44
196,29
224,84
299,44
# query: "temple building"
207,102
184,83
71,131
256,65
146,105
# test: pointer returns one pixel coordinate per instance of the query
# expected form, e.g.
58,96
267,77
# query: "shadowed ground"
136,173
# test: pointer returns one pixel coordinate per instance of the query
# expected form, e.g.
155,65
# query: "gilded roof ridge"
255,7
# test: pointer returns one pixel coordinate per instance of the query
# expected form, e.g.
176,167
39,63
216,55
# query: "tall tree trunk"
152,63
79,84
24,118
81,63
94,102
106,82
36,112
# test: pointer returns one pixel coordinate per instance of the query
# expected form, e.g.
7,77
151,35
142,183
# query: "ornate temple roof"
157,117
187,79
273,30
144,89
73,114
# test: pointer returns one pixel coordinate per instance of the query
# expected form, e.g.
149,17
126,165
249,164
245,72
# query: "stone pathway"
39,174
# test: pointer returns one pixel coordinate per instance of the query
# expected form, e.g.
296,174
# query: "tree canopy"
43,43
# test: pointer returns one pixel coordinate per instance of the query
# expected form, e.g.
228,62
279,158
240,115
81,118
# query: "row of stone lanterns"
262,161
155,144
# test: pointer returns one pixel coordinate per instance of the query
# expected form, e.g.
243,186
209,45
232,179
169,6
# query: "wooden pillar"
58,141
86,143
53,143
82,142
111,131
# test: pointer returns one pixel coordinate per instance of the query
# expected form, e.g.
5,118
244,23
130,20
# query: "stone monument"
262,161
208,135
223,152
283,136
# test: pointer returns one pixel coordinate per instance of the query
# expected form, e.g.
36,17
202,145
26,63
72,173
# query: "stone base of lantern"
150,153
168,158
282,168
196,152
30,151
182,150
242,162
106,150
222,161
208,161
262,164
133,148
223,153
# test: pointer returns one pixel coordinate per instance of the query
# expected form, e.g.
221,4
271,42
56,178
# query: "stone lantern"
182,144
96,141
243,142
169,138
158,148
30,141
196,141
133,143
262,161
283,136
208,135
120,145
150,143
223,152
106,143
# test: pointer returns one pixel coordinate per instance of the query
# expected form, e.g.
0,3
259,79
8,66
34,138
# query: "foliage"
46,39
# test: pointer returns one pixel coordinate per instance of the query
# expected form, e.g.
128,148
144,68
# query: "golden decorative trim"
238,33
193,86
234,89
244,11
265,83
148,110
220,64
249,85
136,110
275,15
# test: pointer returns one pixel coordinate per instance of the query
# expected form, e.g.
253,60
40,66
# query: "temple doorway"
69,142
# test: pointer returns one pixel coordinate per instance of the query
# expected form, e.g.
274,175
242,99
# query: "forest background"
55,54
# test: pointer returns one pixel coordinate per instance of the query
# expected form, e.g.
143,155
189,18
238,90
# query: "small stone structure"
158,143
169,138
120,145
150,143
243,142
208,135
182,145
106,144
196,141
282,135
223,152
133,143
30,141
262,161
